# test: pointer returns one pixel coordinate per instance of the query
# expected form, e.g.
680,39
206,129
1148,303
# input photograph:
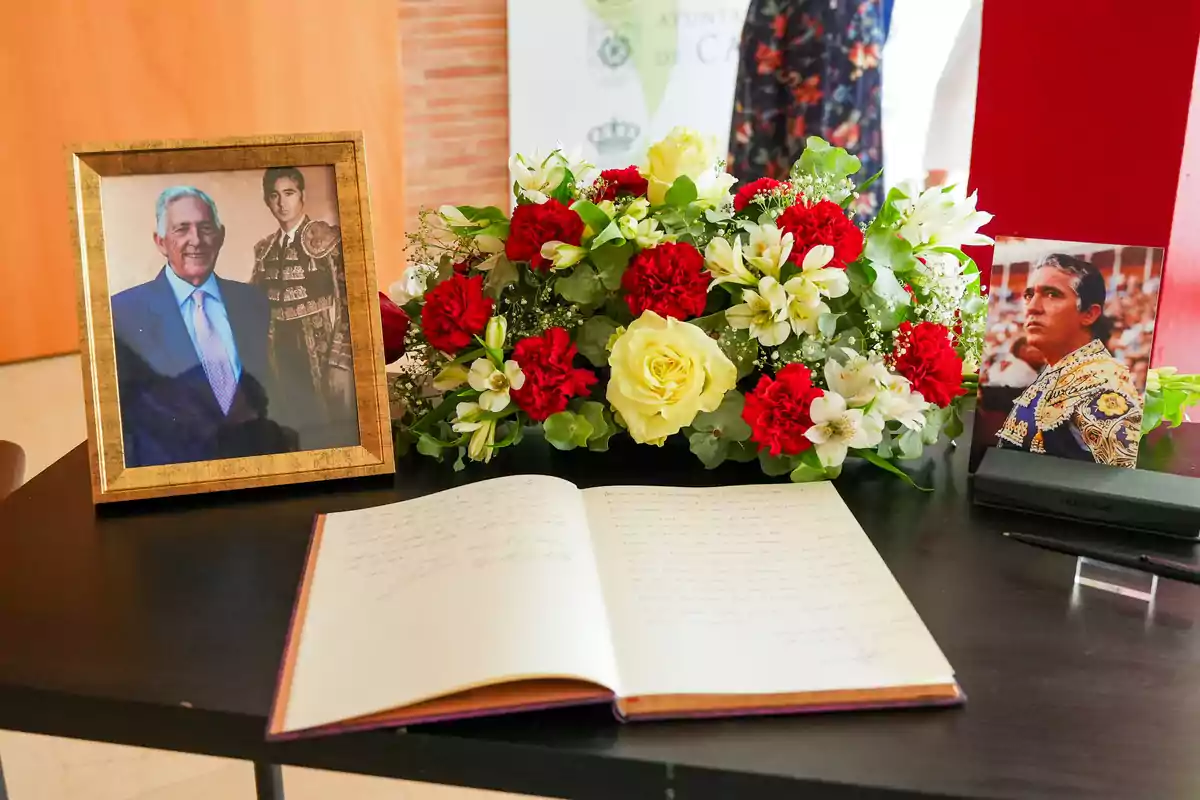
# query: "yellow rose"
683,152
664,373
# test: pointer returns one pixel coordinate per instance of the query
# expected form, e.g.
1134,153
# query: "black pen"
1153,565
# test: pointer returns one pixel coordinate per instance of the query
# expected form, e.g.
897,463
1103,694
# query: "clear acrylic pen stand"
1107,577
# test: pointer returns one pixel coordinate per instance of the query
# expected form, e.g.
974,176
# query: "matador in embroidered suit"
1084,407
302,274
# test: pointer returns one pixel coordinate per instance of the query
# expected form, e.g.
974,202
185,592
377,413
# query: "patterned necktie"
214,356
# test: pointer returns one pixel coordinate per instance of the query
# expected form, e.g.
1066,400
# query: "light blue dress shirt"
214,307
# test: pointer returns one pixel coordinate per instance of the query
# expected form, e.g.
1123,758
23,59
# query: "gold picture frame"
112,478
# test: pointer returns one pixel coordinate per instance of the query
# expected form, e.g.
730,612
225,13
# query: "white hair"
174,193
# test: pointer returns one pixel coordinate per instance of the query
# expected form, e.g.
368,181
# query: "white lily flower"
897,401
769,249
726,263
470,419
450,378
828,281
712,187
412,285
764,312
563,255
494,333
468,416
537,176
493,383
579,166
939,217
638,208
858,380
646,232
454,217
837,428
608,207
804,308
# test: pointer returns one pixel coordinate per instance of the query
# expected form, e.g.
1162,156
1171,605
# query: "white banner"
614,76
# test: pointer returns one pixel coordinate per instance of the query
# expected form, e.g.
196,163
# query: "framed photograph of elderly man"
229,317
1067,349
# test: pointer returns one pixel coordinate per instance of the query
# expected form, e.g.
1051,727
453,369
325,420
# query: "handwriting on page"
738,575
522,520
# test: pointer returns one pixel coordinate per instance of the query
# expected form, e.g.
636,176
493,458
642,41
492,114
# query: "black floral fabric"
808,68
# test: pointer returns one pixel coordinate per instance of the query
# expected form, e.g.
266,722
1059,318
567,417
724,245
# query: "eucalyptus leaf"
726,421
711,323
682,192
743,452
954,425
823,159
710,449
911,445
582,286
887,302
602,425
861,275
459,464
428,446
592,339
774,466
503,274
739,347
611,261
827,324
885,249
717,217
567,430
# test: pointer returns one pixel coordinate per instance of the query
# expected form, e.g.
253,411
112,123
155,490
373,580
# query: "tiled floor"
41,409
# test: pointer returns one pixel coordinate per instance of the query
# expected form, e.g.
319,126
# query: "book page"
412,600
751,589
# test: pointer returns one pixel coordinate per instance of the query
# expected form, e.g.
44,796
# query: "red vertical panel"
1080,120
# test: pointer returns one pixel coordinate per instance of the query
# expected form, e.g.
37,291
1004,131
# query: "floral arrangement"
761,324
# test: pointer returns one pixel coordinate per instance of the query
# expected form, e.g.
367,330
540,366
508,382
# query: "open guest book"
526,592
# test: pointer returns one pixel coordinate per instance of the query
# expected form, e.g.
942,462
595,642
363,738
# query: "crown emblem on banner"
614,137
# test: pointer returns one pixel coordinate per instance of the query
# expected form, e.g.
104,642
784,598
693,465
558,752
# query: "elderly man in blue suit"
192,349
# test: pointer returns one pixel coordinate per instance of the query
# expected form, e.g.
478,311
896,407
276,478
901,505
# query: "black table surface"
161,624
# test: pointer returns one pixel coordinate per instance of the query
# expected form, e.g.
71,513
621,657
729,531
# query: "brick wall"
455,71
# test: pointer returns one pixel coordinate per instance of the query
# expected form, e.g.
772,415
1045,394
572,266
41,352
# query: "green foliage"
500,276
886,302
598,416
611,233
886,249
824,160
562,192
683,192
827,324
582,286
861,275
887,466
739,347
809,468
718,435
592,339
591,214
611,261
567,430
774,466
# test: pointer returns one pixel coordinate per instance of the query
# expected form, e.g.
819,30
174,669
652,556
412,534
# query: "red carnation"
822,223
535,224
455,311
669,280
777,411
925,356
550,379
395,327
747,193
613,183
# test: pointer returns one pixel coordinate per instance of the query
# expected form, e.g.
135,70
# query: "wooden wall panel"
455,56
145,69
